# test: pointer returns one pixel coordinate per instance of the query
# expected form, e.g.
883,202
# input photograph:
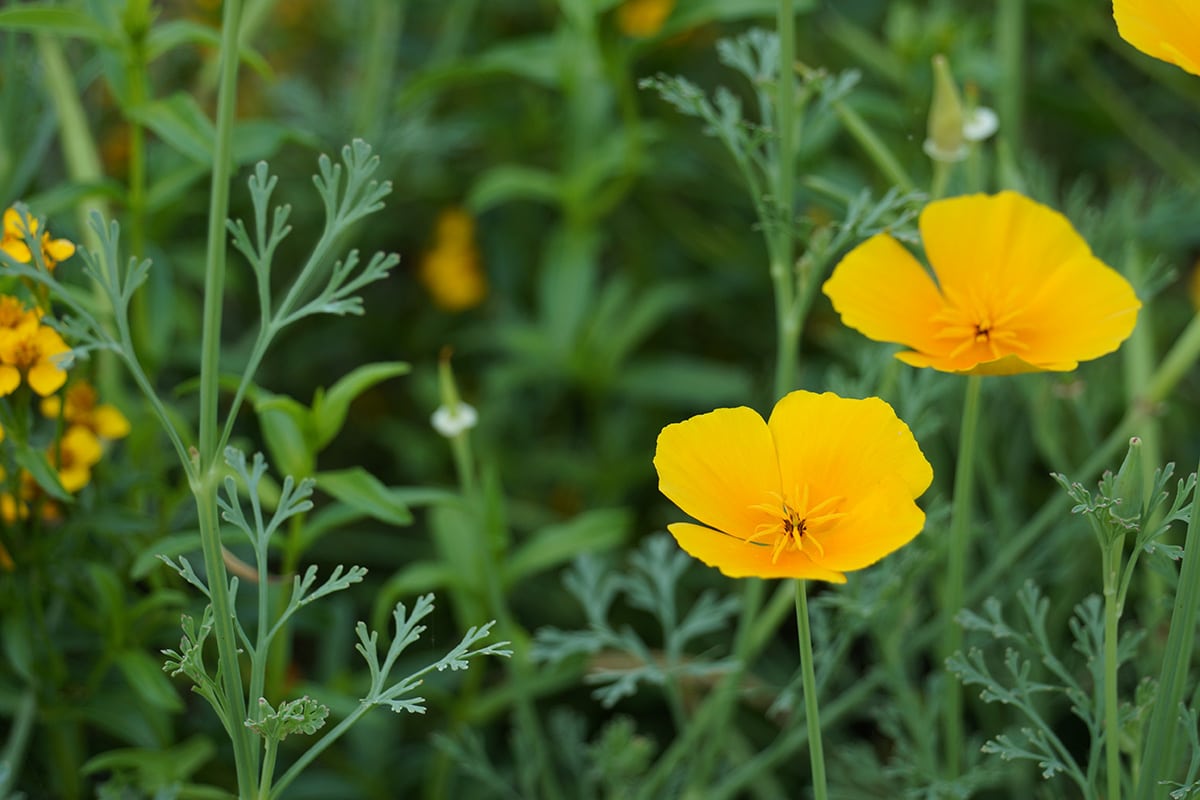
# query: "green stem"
876,149
812,714
207,461
1111,563
956,570
782,233
1010,53
18,740
1174,365
268,769
1160,742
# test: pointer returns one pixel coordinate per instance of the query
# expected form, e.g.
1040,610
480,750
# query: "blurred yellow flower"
80,408
1018,290
643,18
825,486
31,349
14,243
450,270
1168,30
13,313
73,457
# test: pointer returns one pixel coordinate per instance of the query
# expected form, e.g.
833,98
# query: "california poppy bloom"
825,486
1017,290
1168,30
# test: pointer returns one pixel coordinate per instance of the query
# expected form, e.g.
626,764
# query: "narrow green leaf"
145,676
329,409
589,532
287,431
508,182
179,121
36,463
360,489
56,20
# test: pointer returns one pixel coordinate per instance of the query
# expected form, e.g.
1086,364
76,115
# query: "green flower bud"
946,141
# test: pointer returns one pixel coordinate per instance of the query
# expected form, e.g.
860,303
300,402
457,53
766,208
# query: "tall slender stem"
956,570
782,236
207,460
1112,612
812,714
1160,741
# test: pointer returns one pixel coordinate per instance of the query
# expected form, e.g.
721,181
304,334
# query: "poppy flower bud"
946,141
1127,485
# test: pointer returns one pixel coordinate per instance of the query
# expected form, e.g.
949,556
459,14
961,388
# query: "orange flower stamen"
795,524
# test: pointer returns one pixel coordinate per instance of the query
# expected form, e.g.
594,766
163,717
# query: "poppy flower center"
795,524
972,326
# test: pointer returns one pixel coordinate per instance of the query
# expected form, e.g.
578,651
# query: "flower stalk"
812,713
956,569
206,460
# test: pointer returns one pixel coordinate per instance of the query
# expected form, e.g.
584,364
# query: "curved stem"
812,714
956,570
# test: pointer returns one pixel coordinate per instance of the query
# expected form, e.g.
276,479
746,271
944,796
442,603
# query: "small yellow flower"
13,313
450,270
73,457
1168,30
825,486
15,244
642,19
1018,290
32,350
104,420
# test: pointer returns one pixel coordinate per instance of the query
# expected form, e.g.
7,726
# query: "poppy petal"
1168,30
885,294
876,523
833,444
718,466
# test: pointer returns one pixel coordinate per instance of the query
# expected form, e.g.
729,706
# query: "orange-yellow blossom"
14,243
643,18
451,269
73,457
825,486
80,408
1168,30
33,351
1017,290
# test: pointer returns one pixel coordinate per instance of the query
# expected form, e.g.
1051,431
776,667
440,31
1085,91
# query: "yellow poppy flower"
104,420
643,18
825,486
1168,30
31,350
1018,290
451,270
74,456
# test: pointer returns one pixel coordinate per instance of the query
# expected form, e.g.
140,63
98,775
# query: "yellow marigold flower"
1168,30
14,242
31,349
1018,290
642,19
451,270
104,420
825,486
13,313
73,457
